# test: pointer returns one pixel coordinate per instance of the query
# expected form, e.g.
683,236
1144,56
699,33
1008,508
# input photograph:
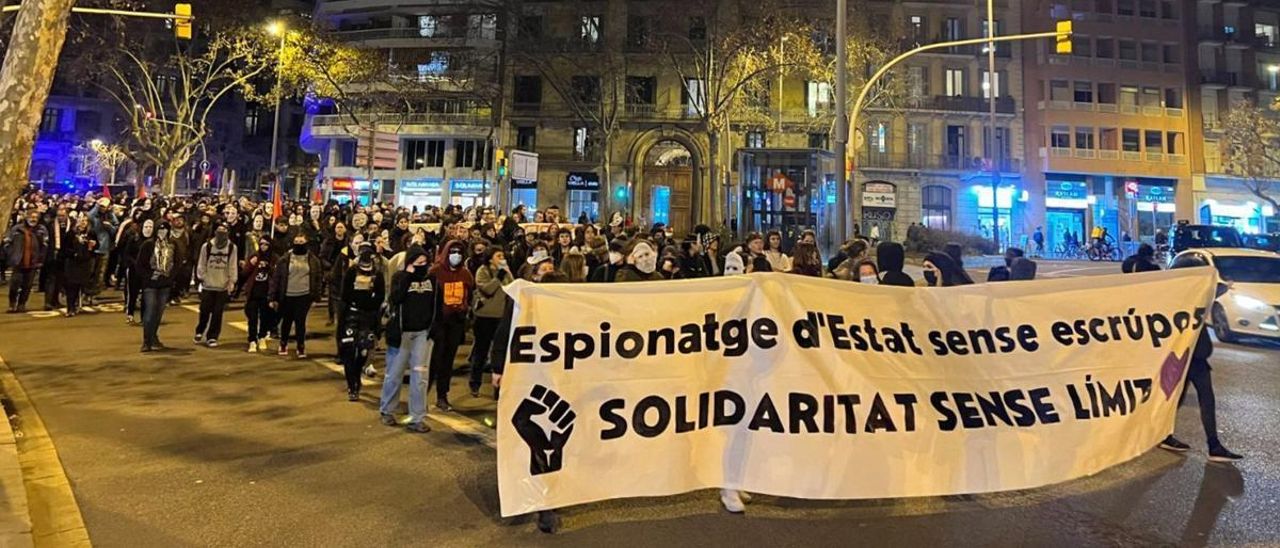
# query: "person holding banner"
941,271
642,264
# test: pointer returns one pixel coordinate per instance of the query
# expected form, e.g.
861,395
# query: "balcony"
1004,105
1216,78
899,161
569,155
414,37
420,118
641,110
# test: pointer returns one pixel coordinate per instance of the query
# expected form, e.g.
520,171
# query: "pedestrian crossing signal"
500,159
1064,38
182,23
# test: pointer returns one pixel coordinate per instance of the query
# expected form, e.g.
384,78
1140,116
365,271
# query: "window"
697,28
1170,54
530,27
819,140
428,25
437,66
935,207
584,201
1150,97
581,143
693,95
1173,142
642,90
755,139
1083,92
986,84
1266,33
1128,50
88,122
917,82
251,121
527,138
1129,140
954,79
1147,8
1105,48
1128,96
422,153
1172,98
916,26
1154,140
1150,52
585,90
589,29
1125,7
638,35
1106,93
1084,138
346,153
52,120
1108,139
818,97
1001,148
953,29
482,25
1081,46
917,139
472,153
1168,10
880,137
528,90
1060,137
1059,90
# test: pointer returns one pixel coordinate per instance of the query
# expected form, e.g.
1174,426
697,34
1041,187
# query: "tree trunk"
169,182
710,212
606,187
34,46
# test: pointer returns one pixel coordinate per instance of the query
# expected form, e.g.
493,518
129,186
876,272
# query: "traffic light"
1064,38
620,193
500,160
182,23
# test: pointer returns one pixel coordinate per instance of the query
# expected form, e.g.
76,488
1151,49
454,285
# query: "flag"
276,202
317,196
142,190
106,191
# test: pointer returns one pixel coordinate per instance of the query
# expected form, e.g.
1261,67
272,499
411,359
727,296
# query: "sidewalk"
15,517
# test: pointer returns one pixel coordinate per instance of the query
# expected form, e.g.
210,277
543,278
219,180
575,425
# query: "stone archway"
667,168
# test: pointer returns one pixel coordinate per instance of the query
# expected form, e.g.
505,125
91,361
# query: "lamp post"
993,143
277,29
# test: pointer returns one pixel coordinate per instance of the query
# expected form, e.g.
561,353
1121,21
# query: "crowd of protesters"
415,282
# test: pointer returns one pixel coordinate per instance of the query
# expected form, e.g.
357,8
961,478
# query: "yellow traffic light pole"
1062,34
179,16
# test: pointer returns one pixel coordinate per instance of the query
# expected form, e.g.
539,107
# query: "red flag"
142,190
317,196
278,208
106,191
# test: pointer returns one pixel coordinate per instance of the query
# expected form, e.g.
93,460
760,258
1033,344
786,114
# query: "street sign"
1131,187
779,183
523,165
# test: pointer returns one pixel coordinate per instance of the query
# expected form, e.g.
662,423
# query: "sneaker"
1172,444
1221,454
302,354
370,372
253,347
475,391
213,343
353,396
266,338
418,427
732,501
197,339
389,420
443,405
284,350
128,320
146,348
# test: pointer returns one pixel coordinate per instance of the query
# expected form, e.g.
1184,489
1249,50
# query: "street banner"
820,389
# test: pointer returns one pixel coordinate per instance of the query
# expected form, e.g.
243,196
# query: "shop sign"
524,183
878,213
467,186
420,185
879,195
1067,190
350,184
1156,193
582,180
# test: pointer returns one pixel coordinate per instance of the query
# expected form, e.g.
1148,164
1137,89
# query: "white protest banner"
820,389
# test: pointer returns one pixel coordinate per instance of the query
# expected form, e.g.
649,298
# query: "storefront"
879,209
468,192
1003,202
1248,217
343,190
1066,204
524,192
583,188
420,193
1155,207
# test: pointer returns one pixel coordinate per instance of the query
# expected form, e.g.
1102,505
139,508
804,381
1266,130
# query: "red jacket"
453,284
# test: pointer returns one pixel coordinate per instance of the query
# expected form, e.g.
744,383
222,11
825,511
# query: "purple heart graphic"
1171,372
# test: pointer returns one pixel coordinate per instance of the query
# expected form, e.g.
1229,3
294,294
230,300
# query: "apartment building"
1236,50
1108,125
449,51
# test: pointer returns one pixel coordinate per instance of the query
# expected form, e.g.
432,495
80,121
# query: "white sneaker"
213,343
732,501
253,347
370,372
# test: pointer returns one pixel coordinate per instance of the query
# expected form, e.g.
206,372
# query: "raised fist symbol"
546,449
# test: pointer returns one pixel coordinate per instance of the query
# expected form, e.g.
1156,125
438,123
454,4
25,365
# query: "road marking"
1064,273
462,426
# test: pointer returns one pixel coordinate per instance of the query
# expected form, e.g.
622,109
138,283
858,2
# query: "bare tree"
167,103
1251,149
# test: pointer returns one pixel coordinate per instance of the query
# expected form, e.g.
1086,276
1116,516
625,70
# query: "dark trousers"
154,300
132,292
484,329
97,273
258,314
354,346
74,292
335,304
20,286
53,289
293,313
211,305
448,335
1198,376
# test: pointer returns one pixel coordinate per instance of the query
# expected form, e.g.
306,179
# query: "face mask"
148,229
539,254
162,234
930,278
502,264
455,259
420,271
615,257
257,223
646,263
220,237
299,249
869,280
32,222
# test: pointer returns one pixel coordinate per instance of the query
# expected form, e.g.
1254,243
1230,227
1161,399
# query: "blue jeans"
154,300
414,353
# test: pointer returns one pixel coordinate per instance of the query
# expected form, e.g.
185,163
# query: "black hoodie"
413,298
890,258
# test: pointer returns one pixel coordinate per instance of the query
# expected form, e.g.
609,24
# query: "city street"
197,446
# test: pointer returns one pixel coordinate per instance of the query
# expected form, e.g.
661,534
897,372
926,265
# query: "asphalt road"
198,447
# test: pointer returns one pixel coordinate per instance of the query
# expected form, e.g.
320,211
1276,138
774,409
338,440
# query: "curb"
15,518
53,517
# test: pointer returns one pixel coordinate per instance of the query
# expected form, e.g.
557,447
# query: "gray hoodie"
216,269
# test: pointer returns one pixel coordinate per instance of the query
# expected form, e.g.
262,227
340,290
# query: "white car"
1251,305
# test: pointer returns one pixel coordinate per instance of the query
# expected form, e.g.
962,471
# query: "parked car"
1188,236
1251,305
1265,242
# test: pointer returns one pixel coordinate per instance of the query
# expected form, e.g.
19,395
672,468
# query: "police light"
1064,38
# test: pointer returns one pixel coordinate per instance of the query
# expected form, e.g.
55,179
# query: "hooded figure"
890,257
945,272
956,252
1022,268
363,292
733,265
453,286
1001,273
642,264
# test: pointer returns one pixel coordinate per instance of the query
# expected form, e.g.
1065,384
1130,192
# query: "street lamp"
276,28
96,143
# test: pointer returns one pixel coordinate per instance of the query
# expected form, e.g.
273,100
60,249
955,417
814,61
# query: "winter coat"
890,258
78,254
17,240
155,271
280,278
629,273
490,298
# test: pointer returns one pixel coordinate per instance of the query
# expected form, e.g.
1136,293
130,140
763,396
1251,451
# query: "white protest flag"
821,389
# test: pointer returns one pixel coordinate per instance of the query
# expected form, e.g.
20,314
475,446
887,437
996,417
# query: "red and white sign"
779,183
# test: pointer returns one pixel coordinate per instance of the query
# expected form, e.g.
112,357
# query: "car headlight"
1251,303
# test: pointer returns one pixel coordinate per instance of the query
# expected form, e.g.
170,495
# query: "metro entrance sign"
779,183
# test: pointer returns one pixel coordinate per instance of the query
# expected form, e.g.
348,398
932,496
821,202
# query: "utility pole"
993,142
842,123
